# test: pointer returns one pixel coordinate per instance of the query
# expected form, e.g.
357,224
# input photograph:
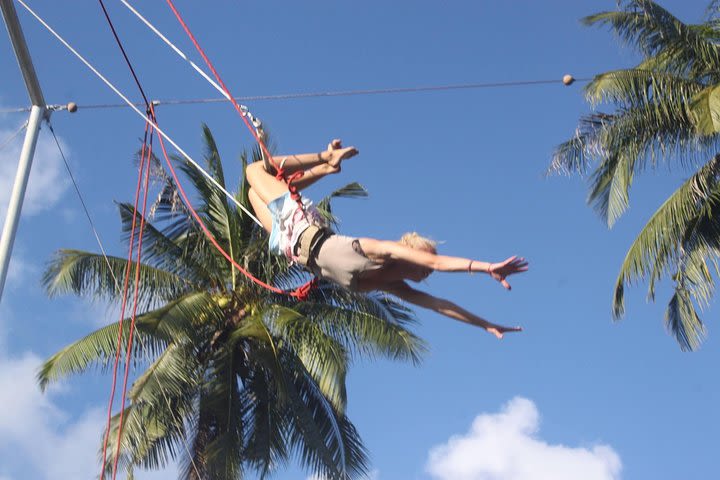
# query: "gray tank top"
341,260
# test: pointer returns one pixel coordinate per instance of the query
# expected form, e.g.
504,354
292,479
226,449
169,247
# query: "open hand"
499,330
500,271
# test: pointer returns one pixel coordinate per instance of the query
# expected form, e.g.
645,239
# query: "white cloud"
42,441
34,431
20,269
505,446
47,182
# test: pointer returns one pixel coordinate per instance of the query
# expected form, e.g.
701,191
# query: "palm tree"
236,377
664,111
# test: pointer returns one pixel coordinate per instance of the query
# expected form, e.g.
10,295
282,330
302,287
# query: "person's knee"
252,171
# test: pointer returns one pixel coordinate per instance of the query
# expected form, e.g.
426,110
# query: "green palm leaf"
84,273
351,190
654,30
658,245
159,251
665,109
231,376
322,356
155,330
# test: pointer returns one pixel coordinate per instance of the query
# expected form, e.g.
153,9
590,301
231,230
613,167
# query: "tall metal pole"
37,113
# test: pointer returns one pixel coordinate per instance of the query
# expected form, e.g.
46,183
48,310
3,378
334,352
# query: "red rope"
136,293
280,172
124,303
301,293
145,157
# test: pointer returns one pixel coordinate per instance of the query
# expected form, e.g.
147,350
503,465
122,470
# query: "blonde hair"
415,240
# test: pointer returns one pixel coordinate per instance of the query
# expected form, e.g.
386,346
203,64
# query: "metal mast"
37,113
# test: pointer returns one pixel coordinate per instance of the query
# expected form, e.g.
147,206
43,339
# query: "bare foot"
499,331
335,153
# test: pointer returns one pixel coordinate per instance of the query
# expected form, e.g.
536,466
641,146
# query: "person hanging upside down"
358,264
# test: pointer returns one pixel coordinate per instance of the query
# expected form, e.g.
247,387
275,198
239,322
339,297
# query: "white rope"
245,110
177,50
140,339
14,135
145,117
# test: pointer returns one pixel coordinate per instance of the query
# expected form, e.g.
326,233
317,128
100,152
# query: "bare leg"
261,210
268,188
306,161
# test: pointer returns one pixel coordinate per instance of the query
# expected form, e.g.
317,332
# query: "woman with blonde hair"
358,264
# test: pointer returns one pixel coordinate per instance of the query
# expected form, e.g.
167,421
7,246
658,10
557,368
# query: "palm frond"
321,435
220,406
633,87
156,329
654,30
84,273
351,190
161,252
683,321
323,357
173,374
150,437
367,324
265,423
577,154
611,182
704,108
658,245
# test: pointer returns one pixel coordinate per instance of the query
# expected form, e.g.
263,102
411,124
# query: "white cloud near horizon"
35,435
506,446
48,181
20,270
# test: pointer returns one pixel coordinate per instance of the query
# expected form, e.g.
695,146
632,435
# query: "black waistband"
317,242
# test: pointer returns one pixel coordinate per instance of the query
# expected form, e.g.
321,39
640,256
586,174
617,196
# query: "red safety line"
144,164
294,193
301,293
124,302
136,293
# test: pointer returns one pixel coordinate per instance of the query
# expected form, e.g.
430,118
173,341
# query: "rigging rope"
144,165
300,95
303,291
280,171
146,161
84,206
138,112
13,136
300,293
118,289
128,350
126,280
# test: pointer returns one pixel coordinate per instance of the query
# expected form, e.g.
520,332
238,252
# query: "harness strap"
309,241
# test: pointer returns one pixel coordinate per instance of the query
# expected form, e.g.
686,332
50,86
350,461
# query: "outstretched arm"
446,307
389,250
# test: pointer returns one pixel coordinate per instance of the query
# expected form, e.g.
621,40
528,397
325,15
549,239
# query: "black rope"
289,96
127,60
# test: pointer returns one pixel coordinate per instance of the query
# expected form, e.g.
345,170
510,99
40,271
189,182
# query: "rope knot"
303,292
289,180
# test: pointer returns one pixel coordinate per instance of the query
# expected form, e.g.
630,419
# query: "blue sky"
573,396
